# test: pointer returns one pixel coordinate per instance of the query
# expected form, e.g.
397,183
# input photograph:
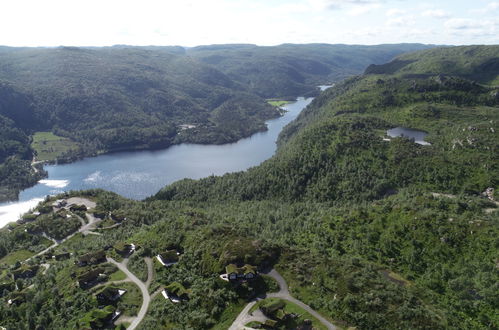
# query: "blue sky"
263,22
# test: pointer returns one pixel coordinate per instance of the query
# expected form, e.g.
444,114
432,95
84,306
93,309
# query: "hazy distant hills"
289,70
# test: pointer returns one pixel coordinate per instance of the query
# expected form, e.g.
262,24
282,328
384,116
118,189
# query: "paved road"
146,298
243,317
150,271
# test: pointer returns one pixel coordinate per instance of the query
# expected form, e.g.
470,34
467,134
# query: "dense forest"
126,98
370,231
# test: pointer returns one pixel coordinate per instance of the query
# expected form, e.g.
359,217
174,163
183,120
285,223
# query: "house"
6,286
124,249
24,271
91,258
176,292
168,258
62,256
270,324
246,272
76,208
109,295
274,309
59,203
98,318
91,277
17,298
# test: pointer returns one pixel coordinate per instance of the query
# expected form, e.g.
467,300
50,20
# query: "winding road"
146,298
244,318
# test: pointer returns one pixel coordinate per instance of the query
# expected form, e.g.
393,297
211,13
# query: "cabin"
6,286
274,309
62,256
246,272
92,258
168,258
91,277
24,271
60,203
76,208
124,249
176,292
109,295
270,324
17,298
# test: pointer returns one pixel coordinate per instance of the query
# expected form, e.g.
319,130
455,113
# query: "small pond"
417,135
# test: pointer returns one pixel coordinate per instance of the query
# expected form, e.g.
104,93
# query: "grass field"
117,276
20,255
277,103
49,147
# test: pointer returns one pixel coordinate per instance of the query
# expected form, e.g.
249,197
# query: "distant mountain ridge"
127,98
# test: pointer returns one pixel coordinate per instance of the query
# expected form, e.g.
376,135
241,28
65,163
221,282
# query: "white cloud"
436,13
395,12
336,4
462,24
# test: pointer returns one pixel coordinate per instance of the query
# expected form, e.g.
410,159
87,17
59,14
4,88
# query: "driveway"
146,298
244,317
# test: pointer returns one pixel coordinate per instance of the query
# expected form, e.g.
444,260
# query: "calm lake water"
140,174
410,133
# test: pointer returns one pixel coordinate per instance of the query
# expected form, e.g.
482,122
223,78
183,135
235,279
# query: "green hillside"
290,70
369,232
479,63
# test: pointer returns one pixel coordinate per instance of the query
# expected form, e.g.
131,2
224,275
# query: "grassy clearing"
117,276
277,103
20,255
49,146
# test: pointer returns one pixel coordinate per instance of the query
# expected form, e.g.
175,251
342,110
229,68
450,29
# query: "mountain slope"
479,63
370,233
291,70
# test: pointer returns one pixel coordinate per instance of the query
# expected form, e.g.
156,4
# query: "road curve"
283,293
146,298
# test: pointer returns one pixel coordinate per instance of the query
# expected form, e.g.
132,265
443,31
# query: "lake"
410,133
140,174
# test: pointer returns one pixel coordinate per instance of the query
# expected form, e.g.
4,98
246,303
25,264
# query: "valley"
360,231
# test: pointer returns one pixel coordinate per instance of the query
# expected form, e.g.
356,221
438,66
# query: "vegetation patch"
16,256
50,147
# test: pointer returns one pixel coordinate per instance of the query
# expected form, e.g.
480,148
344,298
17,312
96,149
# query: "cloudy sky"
263,22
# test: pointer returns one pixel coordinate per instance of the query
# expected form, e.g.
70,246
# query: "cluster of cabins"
274,310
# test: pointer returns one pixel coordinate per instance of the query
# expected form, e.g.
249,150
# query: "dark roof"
246,269
169,256
93,256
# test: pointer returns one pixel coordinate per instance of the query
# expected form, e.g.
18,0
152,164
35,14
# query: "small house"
60,203
124,249
24,271
234,273
92,258
62,256
91,277
109,295
176,292
168,258
16,298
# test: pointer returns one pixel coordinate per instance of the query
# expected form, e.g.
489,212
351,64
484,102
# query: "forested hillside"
371,232
125,98
290,70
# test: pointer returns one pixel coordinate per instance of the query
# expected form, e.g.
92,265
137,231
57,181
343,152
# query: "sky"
262,22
